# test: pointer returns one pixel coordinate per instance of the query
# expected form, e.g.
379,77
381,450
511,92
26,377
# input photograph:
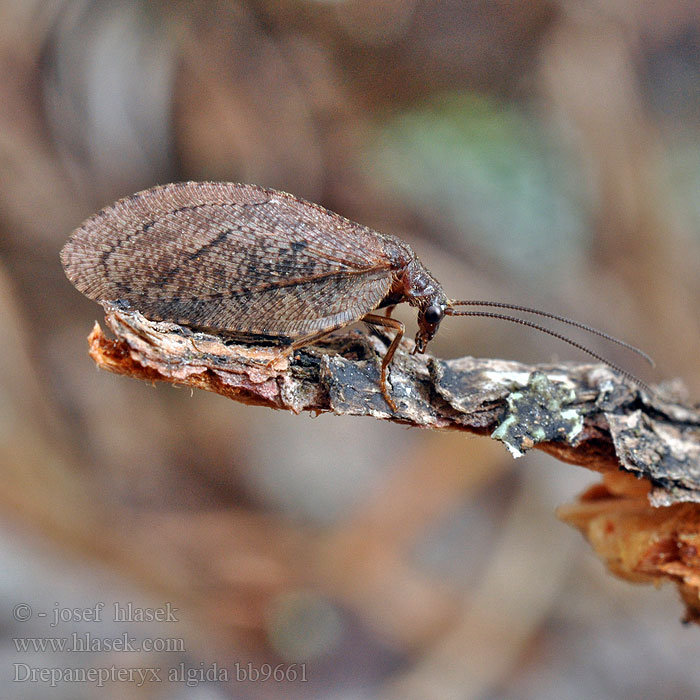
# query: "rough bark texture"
646,528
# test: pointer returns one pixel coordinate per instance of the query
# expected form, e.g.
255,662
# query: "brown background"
537,152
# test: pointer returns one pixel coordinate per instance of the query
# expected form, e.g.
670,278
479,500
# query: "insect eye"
433,314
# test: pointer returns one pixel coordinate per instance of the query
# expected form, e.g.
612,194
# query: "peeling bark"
580,413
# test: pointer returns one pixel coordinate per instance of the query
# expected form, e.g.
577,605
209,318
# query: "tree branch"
580,413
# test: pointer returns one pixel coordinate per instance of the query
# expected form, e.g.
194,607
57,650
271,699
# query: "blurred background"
544,153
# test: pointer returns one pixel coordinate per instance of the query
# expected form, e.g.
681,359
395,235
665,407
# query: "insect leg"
301,343
312,338
376,320
389,310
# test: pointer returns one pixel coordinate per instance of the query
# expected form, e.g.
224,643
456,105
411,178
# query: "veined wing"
233,257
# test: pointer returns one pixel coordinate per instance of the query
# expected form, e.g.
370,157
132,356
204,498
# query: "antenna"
561,319
520,321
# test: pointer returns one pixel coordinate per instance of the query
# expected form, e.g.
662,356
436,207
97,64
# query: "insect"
262,265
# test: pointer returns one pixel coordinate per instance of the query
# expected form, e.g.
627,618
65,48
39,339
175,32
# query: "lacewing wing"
258,264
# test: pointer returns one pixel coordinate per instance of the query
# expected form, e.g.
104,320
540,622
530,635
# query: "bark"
646,527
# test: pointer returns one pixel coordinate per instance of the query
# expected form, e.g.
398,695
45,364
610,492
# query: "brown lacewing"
261,265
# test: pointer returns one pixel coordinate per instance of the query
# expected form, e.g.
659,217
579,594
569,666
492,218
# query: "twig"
580,413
